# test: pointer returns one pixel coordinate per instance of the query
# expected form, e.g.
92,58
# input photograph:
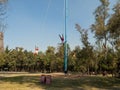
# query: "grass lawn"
28,81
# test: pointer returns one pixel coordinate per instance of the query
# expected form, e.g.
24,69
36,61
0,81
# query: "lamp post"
65,43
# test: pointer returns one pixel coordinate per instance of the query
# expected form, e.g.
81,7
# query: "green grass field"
26,81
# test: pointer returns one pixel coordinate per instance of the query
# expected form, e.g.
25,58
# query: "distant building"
1,42
36,50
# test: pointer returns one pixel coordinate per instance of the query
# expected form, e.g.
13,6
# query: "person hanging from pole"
61,38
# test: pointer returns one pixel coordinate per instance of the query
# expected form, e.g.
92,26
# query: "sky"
39,22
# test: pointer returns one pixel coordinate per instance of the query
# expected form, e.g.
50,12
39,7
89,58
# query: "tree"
114,30
100,27
114,26
87,50
78,66
60,57
72,60
101,15
2,61
50,58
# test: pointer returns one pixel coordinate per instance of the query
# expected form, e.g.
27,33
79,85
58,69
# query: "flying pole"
65,43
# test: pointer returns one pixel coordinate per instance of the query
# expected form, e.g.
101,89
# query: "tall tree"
87,51
100,27
114,26
101,15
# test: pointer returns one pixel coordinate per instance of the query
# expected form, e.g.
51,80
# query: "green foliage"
114,26
101,15
85,58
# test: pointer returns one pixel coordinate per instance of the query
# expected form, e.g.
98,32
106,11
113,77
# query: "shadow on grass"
61,83
86,83
31,81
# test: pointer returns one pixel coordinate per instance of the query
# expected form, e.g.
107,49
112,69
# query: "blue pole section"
65,43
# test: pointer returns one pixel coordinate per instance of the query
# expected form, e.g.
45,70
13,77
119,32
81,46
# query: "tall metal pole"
65,43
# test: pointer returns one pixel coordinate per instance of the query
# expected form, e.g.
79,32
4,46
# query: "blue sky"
39,22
